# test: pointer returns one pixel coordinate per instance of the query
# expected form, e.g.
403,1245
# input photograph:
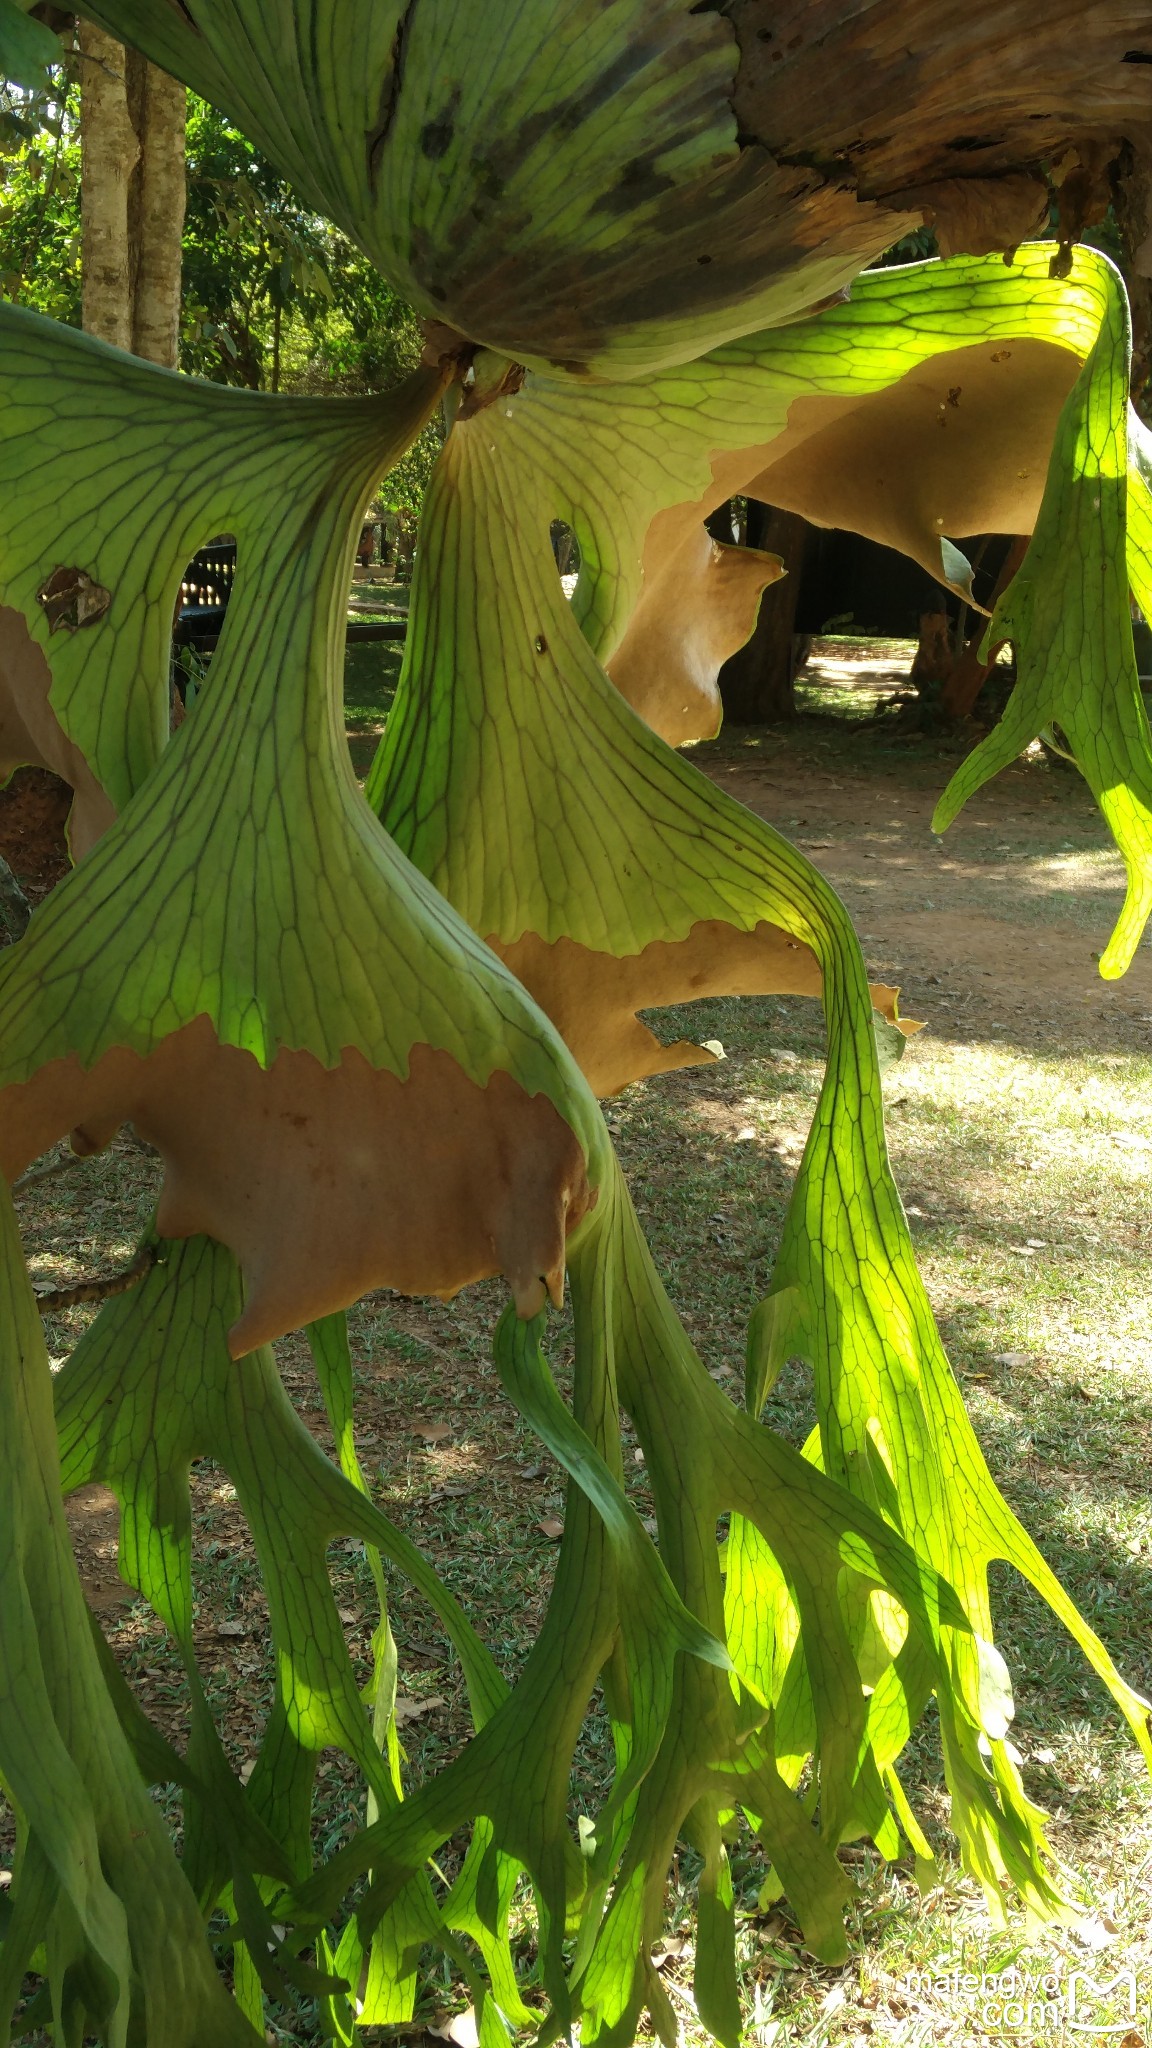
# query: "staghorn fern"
368,1046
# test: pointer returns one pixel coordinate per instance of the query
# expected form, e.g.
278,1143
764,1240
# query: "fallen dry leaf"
433,1432
412,1710
233,1628
551,1528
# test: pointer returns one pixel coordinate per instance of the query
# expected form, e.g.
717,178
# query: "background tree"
756,682
132,117
272,296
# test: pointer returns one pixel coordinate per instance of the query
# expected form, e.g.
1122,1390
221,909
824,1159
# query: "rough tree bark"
132,118
969,117
756,683
109,152
156,195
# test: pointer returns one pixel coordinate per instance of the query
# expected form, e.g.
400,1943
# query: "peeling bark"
899,94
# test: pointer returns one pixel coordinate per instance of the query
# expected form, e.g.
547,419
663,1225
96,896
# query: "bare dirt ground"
998,925
33,811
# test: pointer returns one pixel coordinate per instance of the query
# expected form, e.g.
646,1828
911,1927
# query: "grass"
372,671
992,1147
1021,1136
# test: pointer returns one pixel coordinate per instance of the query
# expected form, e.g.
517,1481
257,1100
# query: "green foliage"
40,198
99,1899
252,250
274,298
303,1004
28,49
647,850
1075,659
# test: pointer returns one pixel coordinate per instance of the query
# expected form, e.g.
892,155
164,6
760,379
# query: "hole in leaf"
566,554
200,608
72,598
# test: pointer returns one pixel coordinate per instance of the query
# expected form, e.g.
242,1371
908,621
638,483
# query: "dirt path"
993,930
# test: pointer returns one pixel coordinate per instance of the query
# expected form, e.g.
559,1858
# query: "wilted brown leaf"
682,632
71,598
877,465
408,1709
592,998
424,1208
433,1432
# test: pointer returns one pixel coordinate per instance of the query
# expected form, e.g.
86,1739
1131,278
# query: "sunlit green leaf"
27,47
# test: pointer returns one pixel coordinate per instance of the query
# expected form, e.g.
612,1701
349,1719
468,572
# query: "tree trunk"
109,152
132,119
970,674
933,661
156,197
756,682
276,318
